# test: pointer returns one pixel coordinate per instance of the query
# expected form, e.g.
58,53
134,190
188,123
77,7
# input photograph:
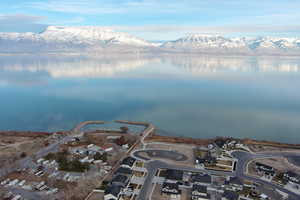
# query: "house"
174,175
93,149
220,142
112,192
292,177
201,179
128,162
235,183
205,158
265,169
120,180
230,195
108,147
124,171
199,192
171,189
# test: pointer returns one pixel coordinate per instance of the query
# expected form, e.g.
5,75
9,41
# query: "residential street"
243,159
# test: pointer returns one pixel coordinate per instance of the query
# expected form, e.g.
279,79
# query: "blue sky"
157,19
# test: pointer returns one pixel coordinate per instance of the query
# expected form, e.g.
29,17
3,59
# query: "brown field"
179,140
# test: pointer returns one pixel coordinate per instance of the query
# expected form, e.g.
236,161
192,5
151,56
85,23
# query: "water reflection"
206,64
112,66
247,97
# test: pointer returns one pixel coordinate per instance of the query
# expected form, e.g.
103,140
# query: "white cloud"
79,6
21,23
116,6
20,18
167,32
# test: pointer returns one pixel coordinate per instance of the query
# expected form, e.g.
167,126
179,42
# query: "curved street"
243,158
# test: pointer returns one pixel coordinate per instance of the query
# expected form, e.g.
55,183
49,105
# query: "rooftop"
172,188
119,179
201,178
124,170
113,189
128,161
199,188
230,195
174,174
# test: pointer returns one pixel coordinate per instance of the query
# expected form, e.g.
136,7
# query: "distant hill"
99,39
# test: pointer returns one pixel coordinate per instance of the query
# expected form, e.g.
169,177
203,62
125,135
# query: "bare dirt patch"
280,164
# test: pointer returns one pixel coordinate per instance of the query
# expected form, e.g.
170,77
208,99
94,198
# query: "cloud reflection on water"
201,96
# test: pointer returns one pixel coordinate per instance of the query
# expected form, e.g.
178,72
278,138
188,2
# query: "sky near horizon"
156,19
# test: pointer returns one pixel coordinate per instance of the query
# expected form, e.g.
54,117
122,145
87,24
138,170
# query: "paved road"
243,159
154,165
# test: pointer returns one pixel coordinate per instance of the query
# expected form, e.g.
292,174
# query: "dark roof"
172,187
119,179
201,178
292,176
220,142
206,159
230,195
113,189
128,161
199,188
235,180
124,170
174,174
263,166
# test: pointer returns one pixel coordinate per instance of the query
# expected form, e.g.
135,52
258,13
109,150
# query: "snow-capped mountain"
69,38
90,35
101,39
216,43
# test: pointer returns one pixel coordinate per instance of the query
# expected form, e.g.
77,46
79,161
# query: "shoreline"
153,137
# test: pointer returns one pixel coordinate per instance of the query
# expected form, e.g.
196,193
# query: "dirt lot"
186,150
179,140
12,145
261,146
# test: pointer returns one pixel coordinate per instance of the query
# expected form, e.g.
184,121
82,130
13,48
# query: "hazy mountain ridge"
220,44
99,39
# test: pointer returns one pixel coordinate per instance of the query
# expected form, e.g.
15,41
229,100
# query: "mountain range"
100,39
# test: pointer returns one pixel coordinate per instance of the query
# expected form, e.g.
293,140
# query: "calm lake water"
195,96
